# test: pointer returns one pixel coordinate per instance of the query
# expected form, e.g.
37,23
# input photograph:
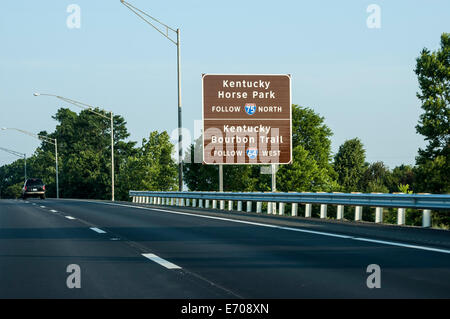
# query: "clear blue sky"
361,80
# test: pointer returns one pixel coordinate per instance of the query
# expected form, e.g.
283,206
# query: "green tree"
196,175
404,188
202,177
12,179
304,174
310,131
349,164
432,176
377,178
84,143
403,175
311,169
13,191
152,168
84,150
433,72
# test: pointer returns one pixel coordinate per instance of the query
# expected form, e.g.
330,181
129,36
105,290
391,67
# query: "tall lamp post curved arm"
47,139
164,30
79,104
18,155
90,108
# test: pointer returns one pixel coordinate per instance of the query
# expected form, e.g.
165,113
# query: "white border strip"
445,251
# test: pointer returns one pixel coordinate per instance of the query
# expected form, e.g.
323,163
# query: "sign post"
247,119
274,178
220,178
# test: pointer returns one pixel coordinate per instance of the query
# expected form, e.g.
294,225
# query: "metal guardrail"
425,202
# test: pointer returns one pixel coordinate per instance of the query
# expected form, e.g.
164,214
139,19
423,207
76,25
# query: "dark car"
33,187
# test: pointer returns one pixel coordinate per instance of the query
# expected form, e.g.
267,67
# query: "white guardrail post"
281,209
401,216
294,209
340,212
308,210
378,214
426,218
271,208
259,207
358,213
323,211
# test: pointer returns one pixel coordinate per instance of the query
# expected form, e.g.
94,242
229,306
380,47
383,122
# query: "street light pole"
57,168
112,157
45,139
180,125
164,30
90,109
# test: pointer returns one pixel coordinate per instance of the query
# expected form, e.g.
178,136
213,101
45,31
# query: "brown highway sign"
247,119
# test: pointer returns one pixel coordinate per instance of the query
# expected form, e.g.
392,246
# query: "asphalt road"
205,254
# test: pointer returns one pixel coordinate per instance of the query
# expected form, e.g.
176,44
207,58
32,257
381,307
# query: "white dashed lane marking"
98,230
69,217
161,261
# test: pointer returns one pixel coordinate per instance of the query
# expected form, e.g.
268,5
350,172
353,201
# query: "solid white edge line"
287,228
161,261
402,245
98,230
69,217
